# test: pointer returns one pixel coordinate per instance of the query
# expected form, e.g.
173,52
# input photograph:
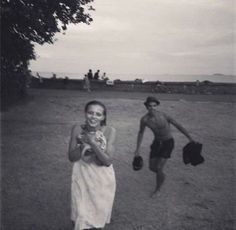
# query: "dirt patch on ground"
36,171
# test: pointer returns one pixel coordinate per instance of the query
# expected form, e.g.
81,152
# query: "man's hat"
151,99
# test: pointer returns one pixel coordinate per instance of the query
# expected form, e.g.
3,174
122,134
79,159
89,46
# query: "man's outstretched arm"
140,137
180,128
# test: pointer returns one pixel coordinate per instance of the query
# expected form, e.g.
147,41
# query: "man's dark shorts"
162,148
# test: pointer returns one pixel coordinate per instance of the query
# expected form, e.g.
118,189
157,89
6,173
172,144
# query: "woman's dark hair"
104,122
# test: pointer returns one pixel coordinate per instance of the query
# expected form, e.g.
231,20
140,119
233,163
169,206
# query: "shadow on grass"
8,101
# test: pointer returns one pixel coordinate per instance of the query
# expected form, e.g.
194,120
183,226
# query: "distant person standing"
163,143
87,85
90,74
40,78
54,76
104,77
96,75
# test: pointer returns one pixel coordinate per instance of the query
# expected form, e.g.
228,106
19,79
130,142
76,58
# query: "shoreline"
205,87
147,77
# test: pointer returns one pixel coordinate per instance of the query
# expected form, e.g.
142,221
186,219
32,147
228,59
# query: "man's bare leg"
156,165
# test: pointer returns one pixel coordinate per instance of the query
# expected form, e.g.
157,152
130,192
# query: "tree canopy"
25,22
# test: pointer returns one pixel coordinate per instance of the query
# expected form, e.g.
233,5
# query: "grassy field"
36,171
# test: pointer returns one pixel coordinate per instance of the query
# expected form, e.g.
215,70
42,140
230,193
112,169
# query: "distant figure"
96,75
104,77
87,83
54,76
90,74
163,143
197,82
40,78
198,86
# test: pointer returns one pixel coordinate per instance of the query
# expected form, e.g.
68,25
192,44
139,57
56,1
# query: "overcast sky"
147,37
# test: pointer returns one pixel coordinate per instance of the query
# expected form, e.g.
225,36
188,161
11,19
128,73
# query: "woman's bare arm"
74,152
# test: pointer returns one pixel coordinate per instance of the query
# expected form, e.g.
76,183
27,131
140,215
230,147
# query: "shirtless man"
163,142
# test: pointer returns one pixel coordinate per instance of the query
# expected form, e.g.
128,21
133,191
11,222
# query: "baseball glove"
137,163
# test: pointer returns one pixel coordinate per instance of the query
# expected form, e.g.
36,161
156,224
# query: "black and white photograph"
118,115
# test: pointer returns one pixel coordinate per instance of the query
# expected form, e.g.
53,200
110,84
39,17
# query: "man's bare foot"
155,193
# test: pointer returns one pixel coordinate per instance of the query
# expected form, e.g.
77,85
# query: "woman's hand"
88,138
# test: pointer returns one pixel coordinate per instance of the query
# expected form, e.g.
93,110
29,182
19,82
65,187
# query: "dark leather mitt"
137,163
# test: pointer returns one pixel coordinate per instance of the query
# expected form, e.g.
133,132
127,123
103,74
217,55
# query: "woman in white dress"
93,182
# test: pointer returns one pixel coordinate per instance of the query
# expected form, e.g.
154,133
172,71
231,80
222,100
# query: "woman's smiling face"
94,115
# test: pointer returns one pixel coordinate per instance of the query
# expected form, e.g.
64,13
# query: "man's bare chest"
156,122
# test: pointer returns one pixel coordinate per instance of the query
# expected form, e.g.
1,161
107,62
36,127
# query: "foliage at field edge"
26,22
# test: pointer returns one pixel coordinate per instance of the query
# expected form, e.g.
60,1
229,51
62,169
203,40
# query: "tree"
25,22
